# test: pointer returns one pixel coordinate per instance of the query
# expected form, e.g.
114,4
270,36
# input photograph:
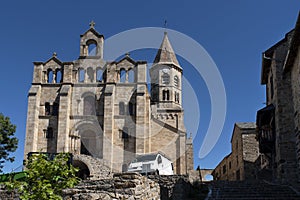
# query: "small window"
159,160
165,79
81,75
92,49
49,133
224,169
131,76
230,165
176,97
166,96
50,76
176,81
121,108
58,76
47,108
122,76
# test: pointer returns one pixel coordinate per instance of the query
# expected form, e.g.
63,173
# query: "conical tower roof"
165,54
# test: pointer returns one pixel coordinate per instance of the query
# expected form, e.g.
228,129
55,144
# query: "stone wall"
174,187
122,186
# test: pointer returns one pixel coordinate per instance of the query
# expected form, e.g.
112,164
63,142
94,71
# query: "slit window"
121,108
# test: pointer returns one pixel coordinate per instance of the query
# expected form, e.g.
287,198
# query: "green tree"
8,143
46,177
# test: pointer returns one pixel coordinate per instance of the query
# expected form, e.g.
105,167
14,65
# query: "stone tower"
103,113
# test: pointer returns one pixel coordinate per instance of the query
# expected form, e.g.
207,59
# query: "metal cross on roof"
92,24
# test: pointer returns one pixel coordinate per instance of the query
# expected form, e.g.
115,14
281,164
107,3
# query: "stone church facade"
103,110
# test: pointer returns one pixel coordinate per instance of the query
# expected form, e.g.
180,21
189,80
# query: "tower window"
176,81
81,75
92,48
166,95
165,78
49,76
121,108
47,108
58,76
176,97
122,76
131,76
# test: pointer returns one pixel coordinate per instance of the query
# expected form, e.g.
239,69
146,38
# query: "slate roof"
165,54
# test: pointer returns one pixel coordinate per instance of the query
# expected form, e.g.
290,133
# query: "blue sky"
233,32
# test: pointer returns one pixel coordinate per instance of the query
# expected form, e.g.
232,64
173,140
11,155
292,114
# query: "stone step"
250,190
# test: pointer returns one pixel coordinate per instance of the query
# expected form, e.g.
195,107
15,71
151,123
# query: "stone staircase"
247,190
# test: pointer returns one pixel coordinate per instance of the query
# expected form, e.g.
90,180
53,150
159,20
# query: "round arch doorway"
84,172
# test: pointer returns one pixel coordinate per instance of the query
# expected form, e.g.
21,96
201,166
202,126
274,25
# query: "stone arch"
91,138
92,47
84,170
205,173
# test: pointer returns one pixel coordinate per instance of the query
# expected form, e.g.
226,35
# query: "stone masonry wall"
123,186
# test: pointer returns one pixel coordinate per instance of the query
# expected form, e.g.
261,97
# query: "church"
104,112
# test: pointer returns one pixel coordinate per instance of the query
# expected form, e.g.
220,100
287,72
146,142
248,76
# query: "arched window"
176,81
49,76
90,74
131,76
89,107
122,76
47,108
121,108
58,76
81,75
159,160
99,75
165,78
92,48
166,95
